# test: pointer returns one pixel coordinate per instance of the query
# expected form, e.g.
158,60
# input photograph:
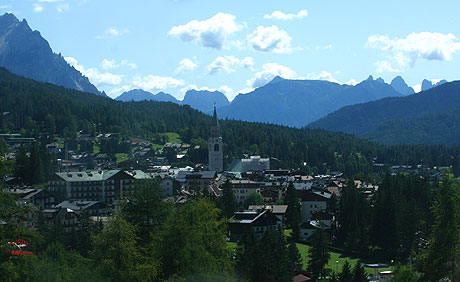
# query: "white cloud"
323,75
268,72
270,39
49,1
156,83
228,64
351,82
278,15
38,8
4,6
115,92
186,64
417,88
211,33
112,64
129,64
94,76
225,89
63,7
402,53
112,32
109,64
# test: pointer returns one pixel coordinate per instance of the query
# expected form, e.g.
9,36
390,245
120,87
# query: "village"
97,185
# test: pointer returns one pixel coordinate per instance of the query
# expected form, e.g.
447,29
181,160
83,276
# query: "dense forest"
37,108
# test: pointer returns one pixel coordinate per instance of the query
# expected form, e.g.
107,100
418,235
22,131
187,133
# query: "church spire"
214,116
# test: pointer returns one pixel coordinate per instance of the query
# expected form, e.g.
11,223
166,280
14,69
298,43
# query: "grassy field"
336,260
121,157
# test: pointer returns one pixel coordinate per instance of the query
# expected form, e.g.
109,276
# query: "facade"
197,180
312,202
215,147
242,189
259,221
103,186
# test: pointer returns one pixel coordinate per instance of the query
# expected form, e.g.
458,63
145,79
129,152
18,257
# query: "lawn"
121,157
336,260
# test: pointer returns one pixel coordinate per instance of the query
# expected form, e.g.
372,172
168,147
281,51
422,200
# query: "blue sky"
235,46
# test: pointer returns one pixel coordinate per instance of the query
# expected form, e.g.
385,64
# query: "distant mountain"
427,84
364,118
165,97
299,102
400,85
204,101
27,53
141,95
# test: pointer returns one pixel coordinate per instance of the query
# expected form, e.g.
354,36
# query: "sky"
236,46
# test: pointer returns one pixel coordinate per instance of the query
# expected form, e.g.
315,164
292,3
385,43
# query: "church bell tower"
215,148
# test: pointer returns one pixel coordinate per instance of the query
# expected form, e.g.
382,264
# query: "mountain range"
141,95
201,100
299,102
25,52
427,117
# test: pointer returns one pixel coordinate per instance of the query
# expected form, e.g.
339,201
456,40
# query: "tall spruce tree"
359,273
318,253
441,258
346,274
295,258
228,201
293,217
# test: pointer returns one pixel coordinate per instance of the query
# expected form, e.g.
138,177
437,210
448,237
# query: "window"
216,147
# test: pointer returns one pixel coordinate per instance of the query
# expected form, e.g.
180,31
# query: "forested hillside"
40,107
363,118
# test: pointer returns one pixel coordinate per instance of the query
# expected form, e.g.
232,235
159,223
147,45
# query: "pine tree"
228,200
295,259
440,259
293,217
318,253
346,275
359,273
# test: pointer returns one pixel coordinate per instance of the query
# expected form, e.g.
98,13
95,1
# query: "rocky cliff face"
25,52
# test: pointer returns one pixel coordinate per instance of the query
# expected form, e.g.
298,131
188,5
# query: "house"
243,188
93,208
278,210
312,202
198,180
67,218
39,197
259,221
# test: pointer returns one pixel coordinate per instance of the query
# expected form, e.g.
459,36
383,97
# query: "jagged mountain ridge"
366,117
25,52
299,102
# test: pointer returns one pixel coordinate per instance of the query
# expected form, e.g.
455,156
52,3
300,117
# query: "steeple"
215,145
214,117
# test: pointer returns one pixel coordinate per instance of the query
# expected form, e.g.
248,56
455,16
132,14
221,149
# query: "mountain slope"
298,102
363,118
434,128
27,53
204,101
34,106
141,95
